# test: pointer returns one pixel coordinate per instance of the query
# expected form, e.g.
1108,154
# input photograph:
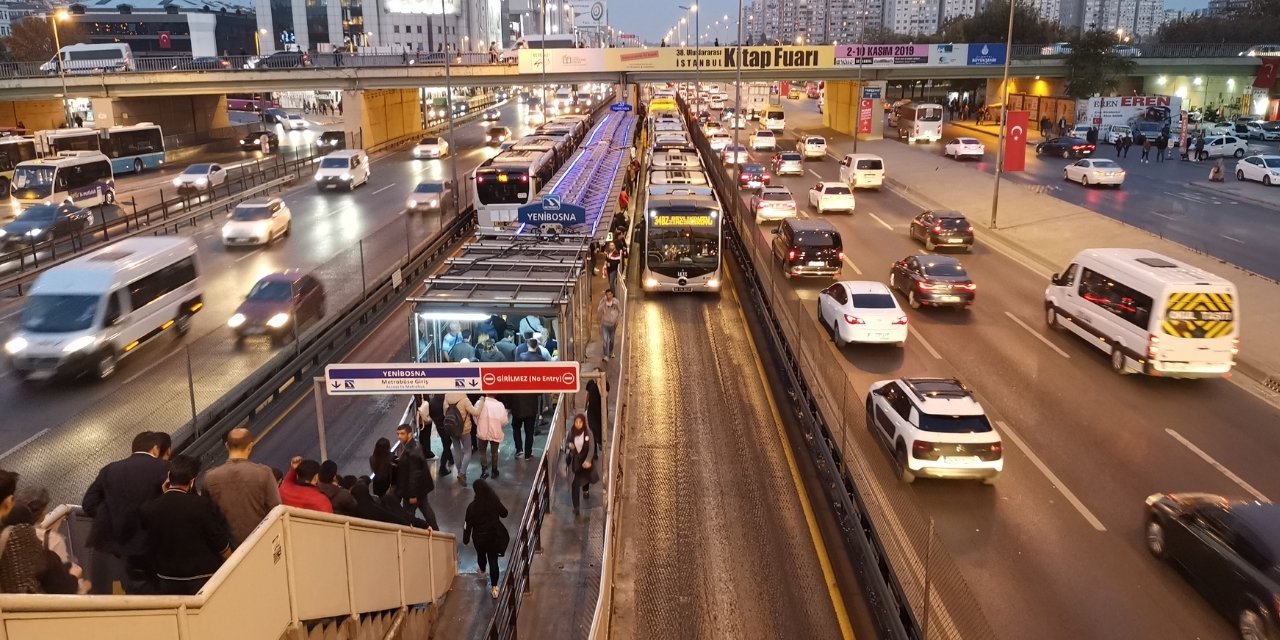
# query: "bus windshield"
33,181
502,187
59,313
683,246
929,114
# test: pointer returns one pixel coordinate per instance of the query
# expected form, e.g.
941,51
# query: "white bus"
1152,314
681,240
133,147
92,58
13,150
919,121
83,178
508,181
84,316
51,142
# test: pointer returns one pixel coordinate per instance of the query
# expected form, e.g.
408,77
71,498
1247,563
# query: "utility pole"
1004,108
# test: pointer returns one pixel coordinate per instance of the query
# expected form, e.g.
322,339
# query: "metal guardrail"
1151,50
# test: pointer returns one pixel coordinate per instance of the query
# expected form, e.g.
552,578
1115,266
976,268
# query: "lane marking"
23,443
12,313
1053,479
882,222
383,189
819,546
1232,239
1166,217
249,255
816,174
1219,466
1037,335
933,352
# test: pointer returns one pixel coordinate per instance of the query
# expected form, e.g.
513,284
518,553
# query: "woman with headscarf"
383,466
370,509
483,527
580,457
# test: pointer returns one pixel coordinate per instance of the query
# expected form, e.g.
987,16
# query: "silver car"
773,203
788,163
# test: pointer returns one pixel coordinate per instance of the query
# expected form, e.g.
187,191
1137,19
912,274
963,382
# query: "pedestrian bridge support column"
34,114
194,115
375,116
842,101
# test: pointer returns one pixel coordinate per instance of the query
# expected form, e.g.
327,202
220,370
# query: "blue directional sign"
620,106
552,210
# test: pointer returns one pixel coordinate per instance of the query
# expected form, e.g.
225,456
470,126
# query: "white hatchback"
257,221
862,311
831,196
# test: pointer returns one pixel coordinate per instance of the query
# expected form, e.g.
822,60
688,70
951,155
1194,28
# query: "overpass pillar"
374,116
843,100
33,114
194,116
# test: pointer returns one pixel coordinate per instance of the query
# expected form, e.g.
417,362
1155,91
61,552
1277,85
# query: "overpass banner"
785,58
562,60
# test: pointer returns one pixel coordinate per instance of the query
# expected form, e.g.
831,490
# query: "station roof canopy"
495,274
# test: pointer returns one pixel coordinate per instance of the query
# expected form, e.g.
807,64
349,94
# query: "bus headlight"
15,345
236,320
650,283
278,320
713,283
78,344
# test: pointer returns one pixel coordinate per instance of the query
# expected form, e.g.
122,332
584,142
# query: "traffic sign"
551,209
620,106
444,377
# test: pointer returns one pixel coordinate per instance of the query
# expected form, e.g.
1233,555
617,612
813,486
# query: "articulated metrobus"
508,181
51,142
681,236
133,147
12,151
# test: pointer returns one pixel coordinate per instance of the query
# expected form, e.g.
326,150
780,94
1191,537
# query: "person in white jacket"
491,424
462,445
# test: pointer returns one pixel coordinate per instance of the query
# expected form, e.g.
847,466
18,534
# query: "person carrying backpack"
457,424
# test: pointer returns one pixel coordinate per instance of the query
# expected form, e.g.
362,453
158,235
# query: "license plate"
960,459
683,289
817,263
953,240
880,335
949,298
253,331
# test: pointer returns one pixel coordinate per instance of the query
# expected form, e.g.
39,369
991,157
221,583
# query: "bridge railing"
1151,50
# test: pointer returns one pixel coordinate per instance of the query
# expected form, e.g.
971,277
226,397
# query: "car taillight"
766,178
925,286
791,255
1153,346
853,319
997,450
967,286
901,320
937,228
840,255
969,229
479,178
1235,346
524,178
920,447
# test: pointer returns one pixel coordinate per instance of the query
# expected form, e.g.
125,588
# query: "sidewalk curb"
1272,204
1016,249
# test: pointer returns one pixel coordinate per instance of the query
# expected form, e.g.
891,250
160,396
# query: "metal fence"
871,504
1149,50
238,63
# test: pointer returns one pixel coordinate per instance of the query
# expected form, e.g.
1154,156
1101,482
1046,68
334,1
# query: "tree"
31,39
1258,21
992,25
1093,68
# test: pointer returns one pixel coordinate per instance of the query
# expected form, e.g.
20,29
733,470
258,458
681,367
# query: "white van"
1151,313
347,169
862,171
85,315
92,58
83,178
774,119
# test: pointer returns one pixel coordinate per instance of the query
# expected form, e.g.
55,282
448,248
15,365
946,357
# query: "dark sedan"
934,281
753,176
1229,550
937,229
285,60
253,140
43,222
206,63
1067,147
278,306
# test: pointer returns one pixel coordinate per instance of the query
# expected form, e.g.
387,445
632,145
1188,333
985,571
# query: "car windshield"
429,141
273,290
497,131
1105,164
683,247
1273,163
765,133
249,213
38,213
59,313
735,147
777,196
294,116
837,191
791,157
818,239
952,223
945,269
873,301
954,424
815,141
35,179
869,164
197,169
753,168
429,187
334,163
929,114
969,141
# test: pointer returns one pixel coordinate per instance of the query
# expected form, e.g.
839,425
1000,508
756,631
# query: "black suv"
942,229
808,248
331,141
935,281
253,140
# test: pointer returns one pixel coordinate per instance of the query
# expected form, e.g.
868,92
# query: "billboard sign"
561,60
986,54
786,58
882,55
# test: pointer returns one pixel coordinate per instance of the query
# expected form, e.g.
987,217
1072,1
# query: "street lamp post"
697,46
1004,109
448,92
857,52
257,41
61,14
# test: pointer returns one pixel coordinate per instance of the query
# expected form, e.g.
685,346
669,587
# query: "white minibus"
1152,314
87,314
83,178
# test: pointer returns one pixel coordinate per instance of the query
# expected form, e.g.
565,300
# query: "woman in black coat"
581,457
483,527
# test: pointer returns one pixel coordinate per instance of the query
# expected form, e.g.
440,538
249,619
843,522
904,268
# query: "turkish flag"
1015,140
166,40
1266,73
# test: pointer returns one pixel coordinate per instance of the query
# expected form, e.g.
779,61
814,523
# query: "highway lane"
1103,437
152,383
1156,197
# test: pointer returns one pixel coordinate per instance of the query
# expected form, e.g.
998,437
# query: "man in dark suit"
413,480
113,501
187,537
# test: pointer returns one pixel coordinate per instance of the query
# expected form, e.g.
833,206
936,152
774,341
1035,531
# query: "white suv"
935,429
763,140
831,196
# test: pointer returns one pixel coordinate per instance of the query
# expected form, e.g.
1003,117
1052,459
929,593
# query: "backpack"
452,425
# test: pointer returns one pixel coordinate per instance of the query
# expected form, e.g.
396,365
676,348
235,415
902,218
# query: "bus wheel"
109,197
4,186
137,165
106,364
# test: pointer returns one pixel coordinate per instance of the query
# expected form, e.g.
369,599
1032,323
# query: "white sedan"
431,147
295,122
719,141
1263,168
831,196
964,147
734,154
199,177
862,311
1094,171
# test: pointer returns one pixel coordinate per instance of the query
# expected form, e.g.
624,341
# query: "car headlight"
411,203
35,232
236,320
278,320
15,345
433,202
319,177
346,177
78,344
177,182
